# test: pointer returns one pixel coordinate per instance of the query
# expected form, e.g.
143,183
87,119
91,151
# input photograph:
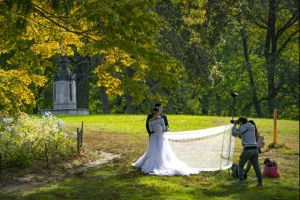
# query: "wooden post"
275,127
79,138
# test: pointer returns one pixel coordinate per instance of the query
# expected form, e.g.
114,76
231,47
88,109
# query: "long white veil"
209,149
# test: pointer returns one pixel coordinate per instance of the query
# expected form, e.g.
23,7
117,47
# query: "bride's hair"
154,110
157,105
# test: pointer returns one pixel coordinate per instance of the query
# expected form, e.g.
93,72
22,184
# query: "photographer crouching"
246,131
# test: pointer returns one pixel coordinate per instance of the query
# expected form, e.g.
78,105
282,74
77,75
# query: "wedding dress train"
159,159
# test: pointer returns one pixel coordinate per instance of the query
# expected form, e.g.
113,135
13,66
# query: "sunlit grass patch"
126,135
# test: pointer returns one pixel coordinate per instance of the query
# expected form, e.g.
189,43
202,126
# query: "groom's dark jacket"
150,116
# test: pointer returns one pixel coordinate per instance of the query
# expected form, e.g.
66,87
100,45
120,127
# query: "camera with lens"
234,121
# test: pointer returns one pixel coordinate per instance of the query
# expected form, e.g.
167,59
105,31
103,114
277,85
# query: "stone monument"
64,92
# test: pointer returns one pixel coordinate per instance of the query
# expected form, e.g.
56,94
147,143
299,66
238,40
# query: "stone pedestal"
64,95
77,111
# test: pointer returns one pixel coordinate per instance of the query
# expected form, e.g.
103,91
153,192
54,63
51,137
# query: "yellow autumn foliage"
49,39
14,90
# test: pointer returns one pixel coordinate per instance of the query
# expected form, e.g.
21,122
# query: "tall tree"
46,28
244,37
29,38
181,38
279,35
278,21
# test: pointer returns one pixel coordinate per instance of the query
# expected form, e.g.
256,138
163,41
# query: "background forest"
129,54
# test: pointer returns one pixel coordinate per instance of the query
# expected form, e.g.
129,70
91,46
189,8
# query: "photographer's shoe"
239,182
259,185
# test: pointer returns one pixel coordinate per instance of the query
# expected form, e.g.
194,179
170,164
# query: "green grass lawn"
126,135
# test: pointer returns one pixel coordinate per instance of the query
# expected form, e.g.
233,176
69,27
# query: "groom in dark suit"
159,106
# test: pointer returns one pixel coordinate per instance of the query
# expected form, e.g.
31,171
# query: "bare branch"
43,13
288,24
260,25
287,41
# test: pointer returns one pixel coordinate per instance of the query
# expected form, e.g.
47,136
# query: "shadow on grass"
117,181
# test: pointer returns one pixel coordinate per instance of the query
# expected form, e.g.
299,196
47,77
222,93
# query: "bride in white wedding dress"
159,159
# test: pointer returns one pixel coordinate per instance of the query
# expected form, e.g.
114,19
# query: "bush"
27,140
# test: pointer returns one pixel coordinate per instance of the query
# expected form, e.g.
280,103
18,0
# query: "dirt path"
31,180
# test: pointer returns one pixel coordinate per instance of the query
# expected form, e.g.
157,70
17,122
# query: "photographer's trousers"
251,154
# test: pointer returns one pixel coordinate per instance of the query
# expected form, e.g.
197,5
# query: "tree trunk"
97,60
104,100
270,56
82,90
130,109
250,75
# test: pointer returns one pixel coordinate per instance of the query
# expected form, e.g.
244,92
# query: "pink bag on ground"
270,169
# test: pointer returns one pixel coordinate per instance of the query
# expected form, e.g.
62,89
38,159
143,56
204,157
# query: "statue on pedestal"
64,73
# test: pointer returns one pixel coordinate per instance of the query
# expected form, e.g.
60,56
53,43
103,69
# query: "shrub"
26,140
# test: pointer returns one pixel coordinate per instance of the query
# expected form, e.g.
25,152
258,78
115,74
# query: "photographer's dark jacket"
247,133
